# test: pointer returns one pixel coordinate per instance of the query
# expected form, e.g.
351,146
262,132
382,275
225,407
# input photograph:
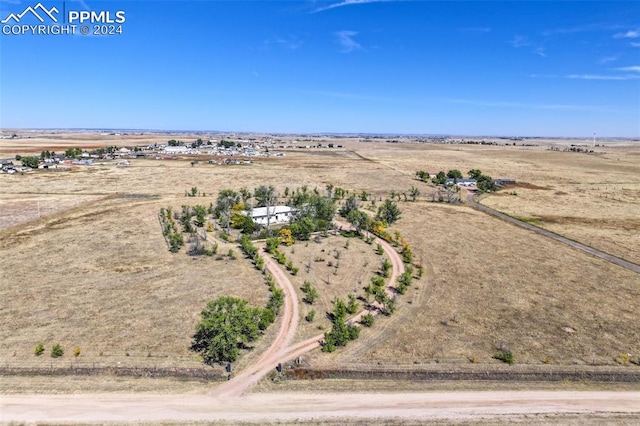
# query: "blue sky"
560,68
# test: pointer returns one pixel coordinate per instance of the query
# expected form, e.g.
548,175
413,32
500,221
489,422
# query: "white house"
461,182
277,215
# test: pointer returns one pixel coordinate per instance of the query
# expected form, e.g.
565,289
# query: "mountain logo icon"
34,11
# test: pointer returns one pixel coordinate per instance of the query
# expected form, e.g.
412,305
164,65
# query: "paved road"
600,254
295,407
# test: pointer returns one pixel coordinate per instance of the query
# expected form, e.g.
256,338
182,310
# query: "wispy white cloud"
540,52
628,34
635,68
597,26
554,107
291,43
607,59
519,41
635,44
347,3
602,77
346,41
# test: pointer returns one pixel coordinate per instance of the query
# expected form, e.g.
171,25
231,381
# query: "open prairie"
84,262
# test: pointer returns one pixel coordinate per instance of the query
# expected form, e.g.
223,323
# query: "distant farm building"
504,181
174,150
275,216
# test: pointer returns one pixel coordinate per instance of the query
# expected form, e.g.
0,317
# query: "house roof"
273,210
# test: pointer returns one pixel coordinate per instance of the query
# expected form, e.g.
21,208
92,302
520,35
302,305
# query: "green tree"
227,198
474,173
440,178
422,175
389,212
454,174
359,219
350,205
226,324
486,184
73,152
302,228
30,162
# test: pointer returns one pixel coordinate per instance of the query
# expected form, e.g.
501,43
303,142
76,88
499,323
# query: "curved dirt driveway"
280,350
595,252
270,358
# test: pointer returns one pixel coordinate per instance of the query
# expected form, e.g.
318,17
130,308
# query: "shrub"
281,258
76,352
57,351
285,237
367,320
352,305
39,349
231,254
294,270
310,316
175,242
386,268
213,250
379,250
310,293
505,356
407,254
272,245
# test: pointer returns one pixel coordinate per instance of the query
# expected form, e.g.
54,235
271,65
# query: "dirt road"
300,407
600,254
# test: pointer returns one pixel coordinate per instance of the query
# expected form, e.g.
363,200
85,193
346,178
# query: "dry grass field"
355,267
100,278
94,272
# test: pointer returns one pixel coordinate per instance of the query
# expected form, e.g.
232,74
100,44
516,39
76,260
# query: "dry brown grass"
356,266
96,273
102,279
490,284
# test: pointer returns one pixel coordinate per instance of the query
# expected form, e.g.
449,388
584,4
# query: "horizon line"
385,134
